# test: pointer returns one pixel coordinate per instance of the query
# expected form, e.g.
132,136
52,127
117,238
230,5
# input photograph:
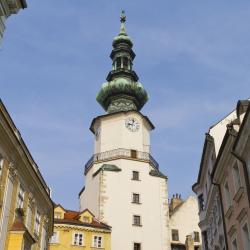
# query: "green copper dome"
122,91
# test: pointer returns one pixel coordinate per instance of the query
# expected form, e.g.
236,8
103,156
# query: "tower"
123,184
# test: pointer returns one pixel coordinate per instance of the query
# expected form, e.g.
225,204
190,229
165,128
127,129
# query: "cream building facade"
26,210
123,183
184,219
7,8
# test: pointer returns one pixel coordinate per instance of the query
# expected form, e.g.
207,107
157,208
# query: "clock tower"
123,184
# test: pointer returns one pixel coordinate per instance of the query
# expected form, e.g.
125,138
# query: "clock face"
132,124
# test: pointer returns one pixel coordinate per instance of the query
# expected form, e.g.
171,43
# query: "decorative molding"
12,170
238,195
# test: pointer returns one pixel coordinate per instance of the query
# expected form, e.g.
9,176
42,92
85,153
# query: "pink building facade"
223,182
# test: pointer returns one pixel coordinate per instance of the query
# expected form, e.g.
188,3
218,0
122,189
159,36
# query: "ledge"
238,194
229,212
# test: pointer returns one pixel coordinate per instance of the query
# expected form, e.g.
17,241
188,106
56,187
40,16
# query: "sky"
193,58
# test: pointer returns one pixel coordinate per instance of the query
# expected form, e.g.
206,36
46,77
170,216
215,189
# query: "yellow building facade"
79,230
26,210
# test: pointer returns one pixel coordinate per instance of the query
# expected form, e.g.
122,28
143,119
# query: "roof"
72,217
208,139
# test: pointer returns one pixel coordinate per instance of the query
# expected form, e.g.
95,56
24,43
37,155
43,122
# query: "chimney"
189,242
175,202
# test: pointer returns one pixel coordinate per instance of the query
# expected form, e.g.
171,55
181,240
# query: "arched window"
125,62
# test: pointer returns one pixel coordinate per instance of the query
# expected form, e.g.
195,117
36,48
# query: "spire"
122,91
123,20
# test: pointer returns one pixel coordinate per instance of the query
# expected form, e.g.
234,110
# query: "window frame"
37,222
97,242
76,241
175,232
135,175
20,197
196,236
136,219
56,241
140,245
136,198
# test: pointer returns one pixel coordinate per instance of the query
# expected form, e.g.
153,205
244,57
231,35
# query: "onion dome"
122,91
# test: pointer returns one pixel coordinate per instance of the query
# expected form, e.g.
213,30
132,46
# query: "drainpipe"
244,164
222,211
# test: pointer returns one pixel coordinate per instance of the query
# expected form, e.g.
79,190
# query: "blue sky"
192,57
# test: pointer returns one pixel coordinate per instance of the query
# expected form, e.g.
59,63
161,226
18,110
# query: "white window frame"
55,238
96,243
77,241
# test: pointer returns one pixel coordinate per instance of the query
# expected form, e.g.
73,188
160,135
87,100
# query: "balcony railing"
121,153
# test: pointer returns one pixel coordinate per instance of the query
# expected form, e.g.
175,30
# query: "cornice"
80,227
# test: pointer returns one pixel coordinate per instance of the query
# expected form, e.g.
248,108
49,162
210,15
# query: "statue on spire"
123,20
123,16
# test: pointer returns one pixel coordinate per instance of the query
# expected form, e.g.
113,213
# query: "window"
246,237
133,153
57,215
28,217
136,198
137,220
201,202
78,239
37,223
86,219
55,238
236,174
137,246
20,197
227,195
234,245
97,241
205,239
175,235
135,175
118,63
125,62
196,237
1,165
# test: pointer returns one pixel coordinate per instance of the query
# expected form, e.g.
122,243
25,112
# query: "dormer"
59,212
86,216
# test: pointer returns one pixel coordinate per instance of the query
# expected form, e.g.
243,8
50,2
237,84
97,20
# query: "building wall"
114,134
185,219
19,172
116,198
65,239
114,205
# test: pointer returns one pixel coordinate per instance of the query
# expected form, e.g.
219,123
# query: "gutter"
244,164
222,211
